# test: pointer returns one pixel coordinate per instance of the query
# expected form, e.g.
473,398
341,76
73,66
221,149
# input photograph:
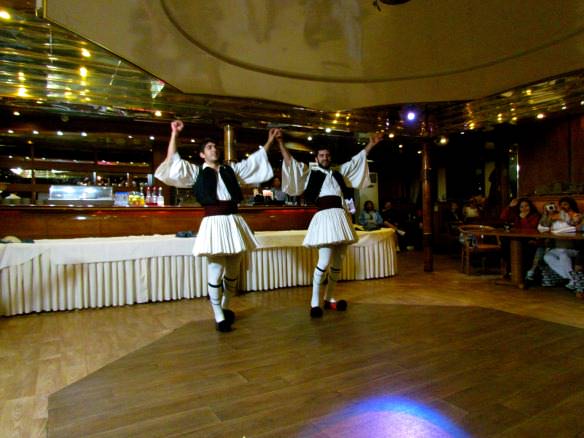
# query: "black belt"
221,208
326,202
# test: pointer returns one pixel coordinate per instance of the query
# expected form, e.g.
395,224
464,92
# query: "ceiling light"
35,132
84,134
158,113
5,15
86,53
540,116
59,132
309,138
327,130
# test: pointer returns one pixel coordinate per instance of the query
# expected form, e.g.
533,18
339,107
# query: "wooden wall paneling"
543,157
577,150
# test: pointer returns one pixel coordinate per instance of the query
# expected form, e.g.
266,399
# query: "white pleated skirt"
224,235
330,227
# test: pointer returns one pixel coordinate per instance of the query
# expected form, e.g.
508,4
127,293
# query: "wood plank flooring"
281,372
442,352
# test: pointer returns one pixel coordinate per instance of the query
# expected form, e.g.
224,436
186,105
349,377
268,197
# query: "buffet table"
67,274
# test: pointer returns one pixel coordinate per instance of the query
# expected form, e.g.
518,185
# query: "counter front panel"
48,222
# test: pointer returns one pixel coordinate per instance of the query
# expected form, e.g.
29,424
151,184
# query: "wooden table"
516,248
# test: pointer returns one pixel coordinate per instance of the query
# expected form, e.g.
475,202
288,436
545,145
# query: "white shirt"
355,174
181,173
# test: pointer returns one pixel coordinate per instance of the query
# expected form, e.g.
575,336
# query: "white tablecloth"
67,274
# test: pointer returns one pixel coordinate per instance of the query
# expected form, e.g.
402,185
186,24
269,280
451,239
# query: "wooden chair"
475,244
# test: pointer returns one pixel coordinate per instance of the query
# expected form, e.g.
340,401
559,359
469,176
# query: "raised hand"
373,140
279,135
177,126
376,138
272,134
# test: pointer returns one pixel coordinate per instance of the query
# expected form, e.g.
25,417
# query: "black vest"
205,188
315,182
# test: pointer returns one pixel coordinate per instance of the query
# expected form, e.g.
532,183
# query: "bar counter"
57,222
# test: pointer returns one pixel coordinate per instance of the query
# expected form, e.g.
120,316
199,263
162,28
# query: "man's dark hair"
204,142
571,202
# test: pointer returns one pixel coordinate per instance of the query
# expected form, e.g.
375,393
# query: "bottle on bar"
148,196
160,198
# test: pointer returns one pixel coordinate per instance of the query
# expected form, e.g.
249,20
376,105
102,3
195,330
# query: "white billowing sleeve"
356,171
177,172
255,169
294,177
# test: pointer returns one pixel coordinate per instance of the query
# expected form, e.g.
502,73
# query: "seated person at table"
391,218
522,215
472,210
223,235
560,258
278,194
369,218
453,216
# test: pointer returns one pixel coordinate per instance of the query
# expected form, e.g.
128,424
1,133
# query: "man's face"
210,153
323,158
565,206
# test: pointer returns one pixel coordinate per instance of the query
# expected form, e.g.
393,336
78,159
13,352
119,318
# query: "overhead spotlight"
443,140
410,116
327,130
309,138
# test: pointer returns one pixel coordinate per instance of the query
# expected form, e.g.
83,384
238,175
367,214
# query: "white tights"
222,274
329,255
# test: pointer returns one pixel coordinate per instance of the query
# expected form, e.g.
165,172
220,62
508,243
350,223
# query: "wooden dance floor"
373,371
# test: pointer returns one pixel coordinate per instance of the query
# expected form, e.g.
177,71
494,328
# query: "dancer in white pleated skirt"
223,236
330,229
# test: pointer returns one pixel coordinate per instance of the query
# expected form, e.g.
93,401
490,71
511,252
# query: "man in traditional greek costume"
223,236
330,229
